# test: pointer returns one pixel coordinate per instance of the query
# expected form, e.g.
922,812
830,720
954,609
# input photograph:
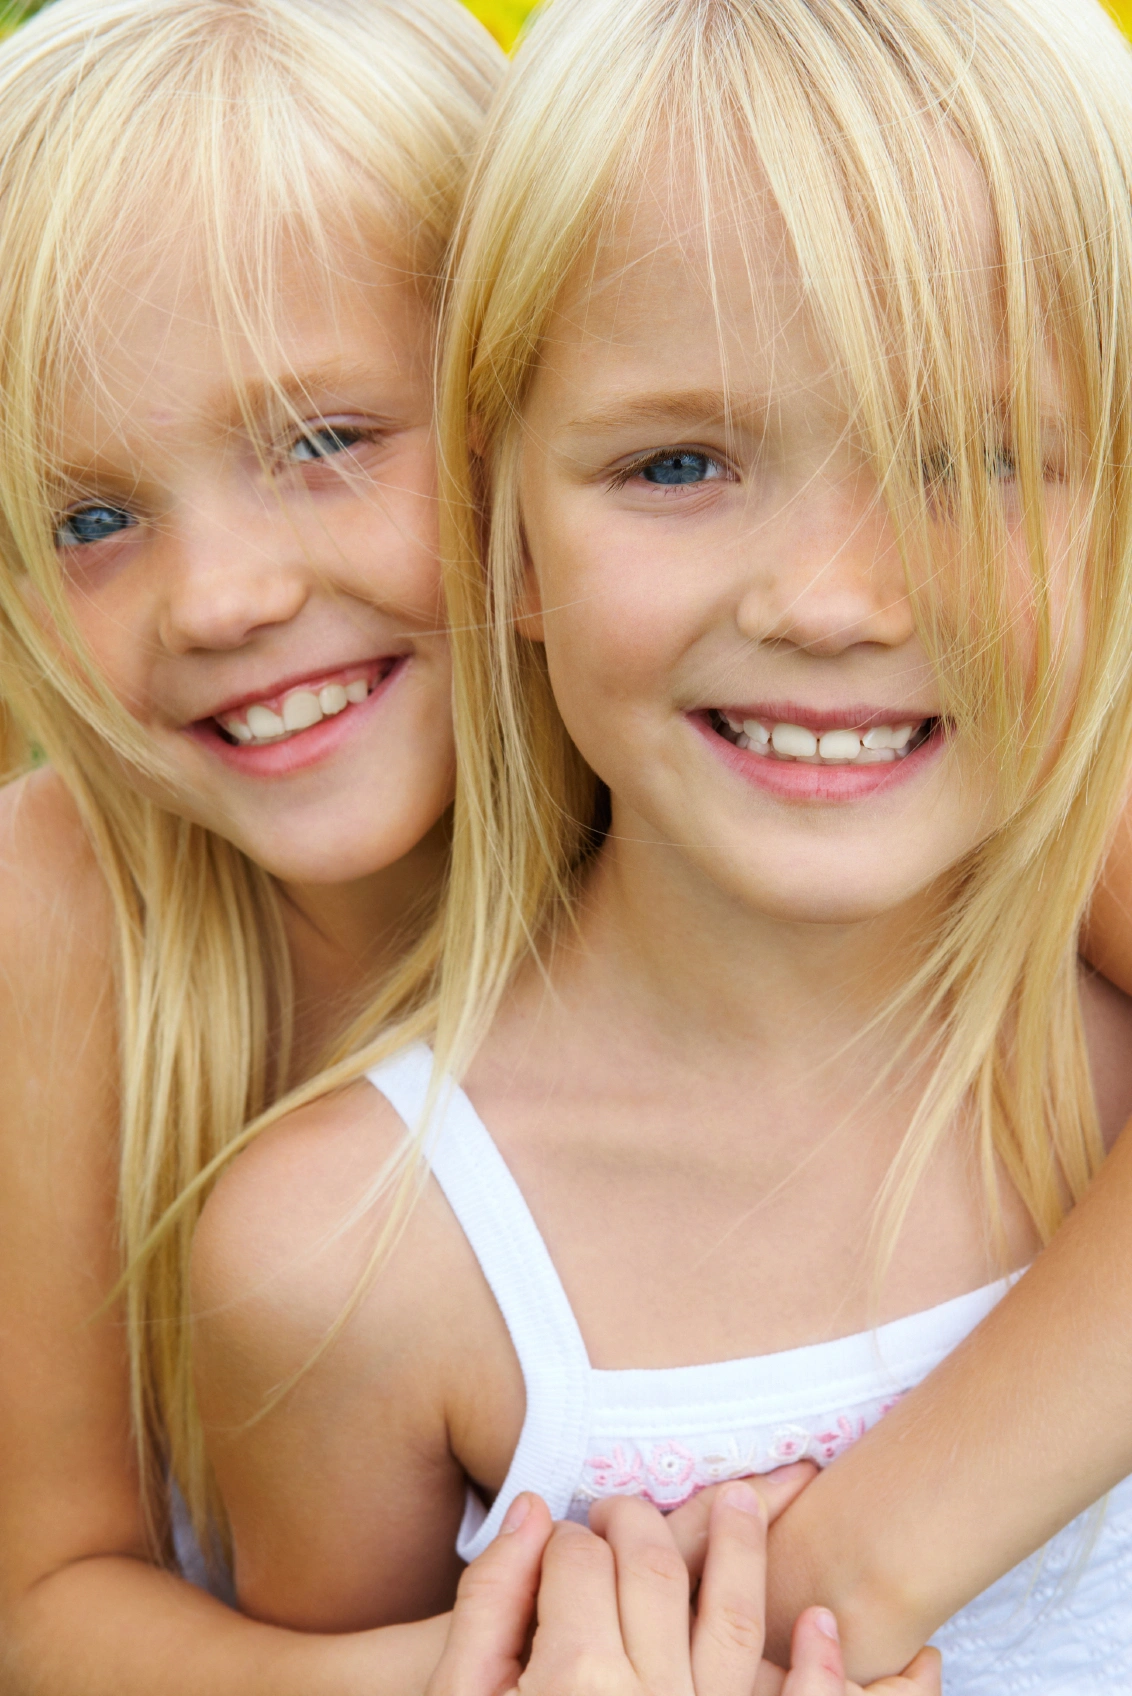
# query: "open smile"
299,724
808,756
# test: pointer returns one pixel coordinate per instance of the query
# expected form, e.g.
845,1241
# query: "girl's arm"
1017,1432
82,1610
613,1614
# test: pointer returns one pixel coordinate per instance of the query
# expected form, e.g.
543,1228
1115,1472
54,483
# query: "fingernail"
826,1624
741,1496
516,1514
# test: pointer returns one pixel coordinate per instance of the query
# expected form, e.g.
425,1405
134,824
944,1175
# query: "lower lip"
794,780
309,747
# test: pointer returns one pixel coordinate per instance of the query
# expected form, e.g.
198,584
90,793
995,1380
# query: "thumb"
495,1607
923,1678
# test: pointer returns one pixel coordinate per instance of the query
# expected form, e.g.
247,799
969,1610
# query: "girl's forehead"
160,347
709,281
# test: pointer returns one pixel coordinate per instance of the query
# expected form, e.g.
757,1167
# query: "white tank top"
1059,1624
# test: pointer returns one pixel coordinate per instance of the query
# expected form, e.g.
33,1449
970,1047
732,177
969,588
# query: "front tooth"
901,736
756,732
262,722
875,756
839,745
333,699
357,691
879,737
794,741
301,710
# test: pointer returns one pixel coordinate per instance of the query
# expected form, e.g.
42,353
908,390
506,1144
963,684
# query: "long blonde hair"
257,121
843,104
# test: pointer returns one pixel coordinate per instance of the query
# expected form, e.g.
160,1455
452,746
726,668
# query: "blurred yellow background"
504,18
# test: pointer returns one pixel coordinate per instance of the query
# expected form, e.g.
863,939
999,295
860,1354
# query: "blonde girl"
222,230
786,436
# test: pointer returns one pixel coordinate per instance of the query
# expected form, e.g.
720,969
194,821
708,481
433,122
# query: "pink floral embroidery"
615,1473
670,1473
790,1444
830,1444
671,1465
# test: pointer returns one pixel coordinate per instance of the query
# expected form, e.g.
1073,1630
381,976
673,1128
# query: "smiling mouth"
288,713
880,744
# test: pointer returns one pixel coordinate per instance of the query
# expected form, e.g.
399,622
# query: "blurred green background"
504,18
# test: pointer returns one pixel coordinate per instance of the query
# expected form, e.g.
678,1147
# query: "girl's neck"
691,956
343,937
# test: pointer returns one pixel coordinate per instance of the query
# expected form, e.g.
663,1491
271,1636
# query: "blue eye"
674,470
319,443
89,524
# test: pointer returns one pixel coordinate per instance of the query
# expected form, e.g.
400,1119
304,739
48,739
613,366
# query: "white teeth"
841,745
792,739
301,710
262,722
885,736
881,745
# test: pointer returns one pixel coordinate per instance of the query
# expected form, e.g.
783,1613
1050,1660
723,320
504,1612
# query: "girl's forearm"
1018,1431
112,1626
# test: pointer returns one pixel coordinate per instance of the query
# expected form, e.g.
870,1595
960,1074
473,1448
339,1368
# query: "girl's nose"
828,576
221,583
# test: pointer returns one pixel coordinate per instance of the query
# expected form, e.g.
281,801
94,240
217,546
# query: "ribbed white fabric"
1058,1625
505,1239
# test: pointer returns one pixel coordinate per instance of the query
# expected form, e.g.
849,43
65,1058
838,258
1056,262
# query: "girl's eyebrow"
671,407
262,394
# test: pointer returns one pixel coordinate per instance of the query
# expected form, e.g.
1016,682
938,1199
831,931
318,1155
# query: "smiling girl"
792,345
222,229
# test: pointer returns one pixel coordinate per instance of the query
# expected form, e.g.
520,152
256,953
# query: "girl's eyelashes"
90,523
673,468
317,442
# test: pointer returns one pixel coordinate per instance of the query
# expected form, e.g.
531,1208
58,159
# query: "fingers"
923,1678
578,1645
727,1641
689,1524
816,1666
652,1595
495,1607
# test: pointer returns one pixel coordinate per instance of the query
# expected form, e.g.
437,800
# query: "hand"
614,1615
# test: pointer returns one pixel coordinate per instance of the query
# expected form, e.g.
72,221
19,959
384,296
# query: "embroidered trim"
670,1473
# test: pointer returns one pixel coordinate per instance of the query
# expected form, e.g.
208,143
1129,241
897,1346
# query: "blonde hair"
843,104
256,121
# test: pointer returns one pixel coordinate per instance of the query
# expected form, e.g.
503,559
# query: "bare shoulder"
1107,1013
292,1227
55,907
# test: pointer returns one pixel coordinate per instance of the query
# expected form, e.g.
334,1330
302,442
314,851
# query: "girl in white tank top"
796,697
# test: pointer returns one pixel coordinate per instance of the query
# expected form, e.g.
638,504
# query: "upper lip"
819,719
296,680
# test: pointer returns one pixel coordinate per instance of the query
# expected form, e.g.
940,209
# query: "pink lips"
305,748
799,781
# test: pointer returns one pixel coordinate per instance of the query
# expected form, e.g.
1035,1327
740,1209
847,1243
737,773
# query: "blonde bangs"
236,133
869,120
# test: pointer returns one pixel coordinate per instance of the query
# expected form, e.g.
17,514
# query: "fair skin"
741,925
612,1613
202,582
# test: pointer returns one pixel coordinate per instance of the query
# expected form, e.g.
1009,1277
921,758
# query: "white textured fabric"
1059,1624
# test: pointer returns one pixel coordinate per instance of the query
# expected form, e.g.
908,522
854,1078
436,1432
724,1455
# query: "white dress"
1059,1624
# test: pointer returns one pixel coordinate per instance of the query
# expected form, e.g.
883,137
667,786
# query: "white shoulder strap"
497,1222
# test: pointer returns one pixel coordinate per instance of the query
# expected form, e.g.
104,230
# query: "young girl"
222,228
794,345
